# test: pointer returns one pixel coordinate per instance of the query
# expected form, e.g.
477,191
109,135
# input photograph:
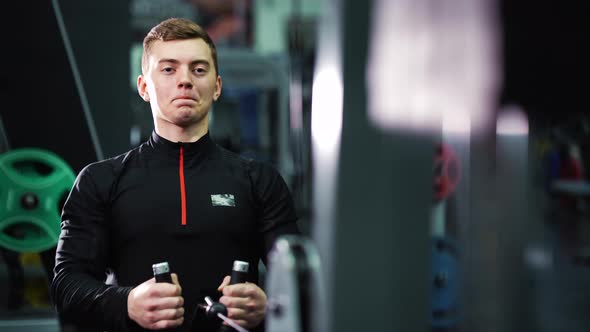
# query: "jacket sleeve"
276,210
78,289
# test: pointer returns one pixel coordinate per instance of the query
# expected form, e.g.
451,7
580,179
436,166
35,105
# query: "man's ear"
142,88
218,85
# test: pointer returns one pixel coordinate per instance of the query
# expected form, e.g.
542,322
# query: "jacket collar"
202,146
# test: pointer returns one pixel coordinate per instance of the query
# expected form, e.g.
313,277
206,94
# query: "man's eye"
167,69
200,70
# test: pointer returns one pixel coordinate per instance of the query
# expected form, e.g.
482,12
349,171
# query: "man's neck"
181,134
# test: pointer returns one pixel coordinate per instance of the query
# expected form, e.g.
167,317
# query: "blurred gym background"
437,153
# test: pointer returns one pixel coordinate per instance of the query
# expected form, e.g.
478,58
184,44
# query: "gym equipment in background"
293,286
445,274
446,171
34,184
445,283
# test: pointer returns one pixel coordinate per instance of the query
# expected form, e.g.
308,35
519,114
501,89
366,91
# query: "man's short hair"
176,29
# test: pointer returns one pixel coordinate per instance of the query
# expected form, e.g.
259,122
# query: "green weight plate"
33,185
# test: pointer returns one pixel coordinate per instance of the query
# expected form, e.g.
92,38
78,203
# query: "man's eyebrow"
195,62
169,60
200,62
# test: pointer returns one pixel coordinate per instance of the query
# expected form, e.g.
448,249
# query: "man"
179,198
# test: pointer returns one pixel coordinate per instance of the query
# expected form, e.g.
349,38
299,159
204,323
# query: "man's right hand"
156,305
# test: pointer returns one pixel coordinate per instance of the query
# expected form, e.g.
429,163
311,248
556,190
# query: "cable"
77,79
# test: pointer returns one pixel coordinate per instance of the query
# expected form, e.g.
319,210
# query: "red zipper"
182,189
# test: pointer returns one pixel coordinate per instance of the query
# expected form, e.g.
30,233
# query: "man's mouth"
185,98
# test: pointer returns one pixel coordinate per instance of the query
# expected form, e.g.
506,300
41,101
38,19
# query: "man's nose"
184,81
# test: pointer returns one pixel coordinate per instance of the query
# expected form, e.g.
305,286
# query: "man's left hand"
245,302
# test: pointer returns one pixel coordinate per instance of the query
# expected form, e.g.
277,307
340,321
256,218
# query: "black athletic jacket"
195,205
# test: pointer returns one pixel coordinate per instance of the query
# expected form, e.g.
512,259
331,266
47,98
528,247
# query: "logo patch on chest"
223,200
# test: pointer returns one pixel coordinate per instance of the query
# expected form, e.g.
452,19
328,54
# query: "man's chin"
188,120
185,122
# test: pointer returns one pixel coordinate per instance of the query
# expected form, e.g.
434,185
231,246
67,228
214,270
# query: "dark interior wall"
545,56
41,104
100,35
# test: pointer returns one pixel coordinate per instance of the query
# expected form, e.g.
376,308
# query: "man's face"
181,82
